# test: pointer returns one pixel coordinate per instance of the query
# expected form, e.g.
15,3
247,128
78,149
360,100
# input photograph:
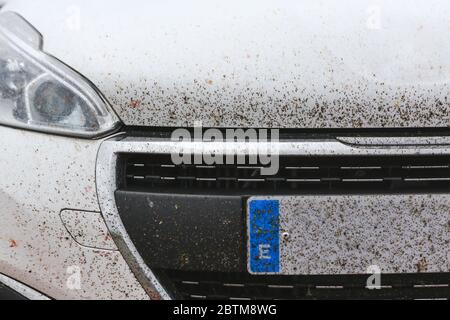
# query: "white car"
354,96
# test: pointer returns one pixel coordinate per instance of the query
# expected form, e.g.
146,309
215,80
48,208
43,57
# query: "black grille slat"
215,285
296,174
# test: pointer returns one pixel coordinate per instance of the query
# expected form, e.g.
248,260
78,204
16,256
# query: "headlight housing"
39,92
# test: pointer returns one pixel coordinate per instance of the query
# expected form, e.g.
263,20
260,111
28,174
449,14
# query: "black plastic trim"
186,232
301,133
6,293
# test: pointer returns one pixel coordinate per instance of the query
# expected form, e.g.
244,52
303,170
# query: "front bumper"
41,177
52,185
191,255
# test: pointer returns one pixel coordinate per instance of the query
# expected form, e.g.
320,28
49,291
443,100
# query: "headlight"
39,92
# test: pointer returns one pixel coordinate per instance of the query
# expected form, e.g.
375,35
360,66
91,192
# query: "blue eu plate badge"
264,236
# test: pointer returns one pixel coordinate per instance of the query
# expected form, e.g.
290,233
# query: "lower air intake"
242,286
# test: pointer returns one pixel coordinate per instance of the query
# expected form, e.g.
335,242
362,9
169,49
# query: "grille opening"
296,175
243,286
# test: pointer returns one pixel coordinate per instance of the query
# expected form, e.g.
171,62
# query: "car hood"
257,63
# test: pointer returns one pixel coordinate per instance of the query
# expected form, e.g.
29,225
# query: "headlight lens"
41,93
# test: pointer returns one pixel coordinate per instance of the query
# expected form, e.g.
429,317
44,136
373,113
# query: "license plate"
348,234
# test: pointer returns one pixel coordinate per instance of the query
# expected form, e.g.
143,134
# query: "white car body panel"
265,63
42,175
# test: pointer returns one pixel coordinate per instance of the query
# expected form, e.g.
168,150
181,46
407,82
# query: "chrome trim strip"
297,147
22,289
106,186
106,179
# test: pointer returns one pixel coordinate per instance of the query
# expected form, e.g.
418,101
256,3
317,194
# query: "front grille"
297,174
242,286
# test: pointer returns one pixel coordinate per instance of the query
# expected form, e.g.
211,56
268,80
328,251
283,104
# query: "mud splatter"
135,103
12,243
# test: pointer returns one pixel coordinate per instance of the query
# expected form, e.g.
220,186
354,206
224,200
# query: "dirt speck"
135,103
422,265
12,243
